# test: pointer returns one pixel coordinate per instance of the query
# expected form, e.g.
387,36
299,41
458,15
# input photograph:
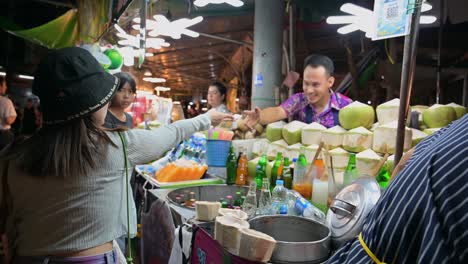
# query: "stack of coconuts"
356,133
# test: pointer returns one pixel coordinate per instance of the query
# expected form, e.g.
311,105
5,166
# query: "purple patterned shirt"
297,106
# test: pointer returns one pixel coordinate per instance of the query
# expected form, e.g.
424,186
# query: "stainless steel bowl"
210,193
299,240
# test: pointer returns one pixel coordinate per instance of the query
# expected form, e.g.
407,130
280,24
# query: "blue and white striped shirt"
423,215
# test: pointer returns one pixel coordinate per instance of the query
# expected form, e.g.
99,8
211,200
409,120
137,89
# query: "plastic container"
217,152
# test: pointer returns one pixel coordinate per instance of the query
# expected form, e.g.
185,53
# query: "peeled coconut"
459,109
268,168
274,131
294,151
233,212
390,163
388,111
312,133
256,246
275,147
417,137
431,131
309,152
333,137
367,163
292,132
252,167
260,147
357,139
374,126
356,114
385,138
340,158
207,211
439,116
227,232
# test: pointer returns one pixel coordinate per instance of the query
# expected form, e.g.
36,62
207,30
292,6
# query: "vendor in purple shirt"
318,103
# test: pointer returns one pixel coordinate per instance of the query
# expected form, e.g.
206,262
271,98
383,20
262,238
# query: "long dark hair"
125,77
66,149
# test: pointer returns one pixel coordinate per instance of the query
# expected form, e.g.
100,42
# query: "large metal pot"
299,240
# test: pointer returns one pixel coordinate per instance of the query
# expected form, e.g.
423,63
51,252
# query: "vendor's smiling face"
317,83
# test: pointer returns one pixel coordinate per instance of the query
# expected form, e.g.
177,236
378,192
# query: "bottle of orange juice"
301,181
242,169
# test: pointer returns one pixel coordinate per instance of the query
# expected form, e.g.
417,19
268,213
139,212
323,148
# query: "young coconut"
357,139
438,116
459,109
431,131
417,137
252,167
260,146
367,162
312,134
333,137
207,211
390,163
292,132
294,151
356,114
274,131
227,232
388,111
340,158
385,138
275,147
309,152
256,246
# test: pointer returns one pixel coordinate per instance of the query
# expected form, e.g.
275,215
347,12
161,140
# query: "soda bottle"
242,171
264,203
350,173
286,174
261,171
231,167
276,170
249,206
383,177
238,200
279,198
302,183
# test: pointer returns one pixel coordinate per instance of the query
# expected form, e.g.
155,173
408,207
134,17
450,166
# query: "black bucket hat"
72,84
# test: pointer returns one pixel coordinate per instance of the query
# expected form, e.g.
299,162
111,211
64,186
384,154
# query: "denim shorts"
107,258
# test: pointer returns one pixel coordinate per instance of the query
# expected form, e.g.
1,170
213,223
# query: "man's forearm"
272,114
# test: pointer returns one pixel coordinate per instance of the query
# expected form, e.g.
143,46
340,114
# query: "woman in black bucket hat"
66,185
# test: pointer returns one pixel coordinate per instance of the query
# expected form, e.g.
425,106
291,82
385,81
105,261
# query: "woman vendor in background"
217,97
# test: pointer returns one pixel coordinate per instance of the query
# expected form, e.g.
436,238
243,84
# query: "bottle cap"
279,182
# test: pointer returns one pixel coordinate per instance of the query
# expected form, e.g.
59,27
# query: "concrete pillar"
268,43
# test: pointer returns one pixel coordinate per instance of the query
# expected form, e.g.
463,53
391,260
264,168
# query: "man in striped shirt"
423,216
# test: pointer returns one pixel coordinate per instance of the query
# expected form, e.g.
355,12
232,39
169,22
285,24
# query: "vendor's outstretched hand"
252,117
217,117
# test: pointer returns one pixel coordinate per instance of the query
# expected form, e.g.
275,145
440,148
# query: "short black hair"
317,60
221,88
125,77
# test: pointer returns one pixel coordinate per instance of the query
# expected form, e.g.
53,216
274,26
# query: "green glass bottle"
231,167
261,171
383,177
276,170
238,200
287,176
350,173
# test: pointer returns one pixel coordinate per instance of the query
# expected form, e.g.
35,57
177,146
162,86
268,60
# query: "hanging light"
162,89
147,73
202,3
154,80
